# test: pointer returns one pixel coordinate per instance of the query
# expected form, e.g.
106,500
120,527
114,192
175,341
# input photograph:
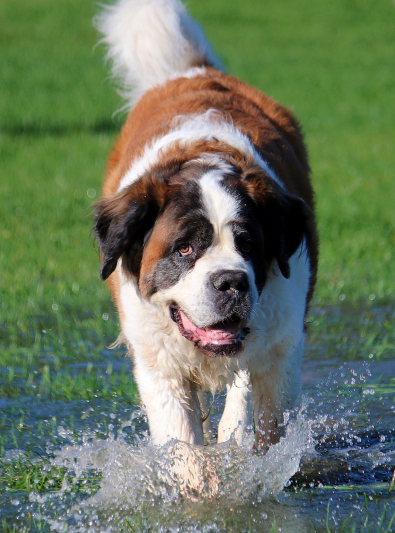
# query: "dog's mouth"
220,339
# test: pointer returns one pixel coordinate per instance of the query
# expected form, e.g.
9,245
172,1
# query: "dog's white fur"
187,130
273,351
149,42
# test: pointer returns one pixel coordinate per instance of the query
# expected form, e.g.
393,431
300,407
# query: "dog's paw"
194,472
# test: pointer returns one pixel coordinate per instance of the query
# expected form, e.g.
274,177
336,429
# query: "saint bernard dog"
206,230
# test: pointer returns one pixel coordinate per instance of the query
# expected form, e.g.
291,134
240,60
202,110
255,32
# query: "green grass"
358,333
383,526
331,62
57,385
33,525
28,474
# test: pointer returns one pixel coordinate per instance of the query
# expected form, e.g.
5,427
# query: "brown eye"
246,247
185,249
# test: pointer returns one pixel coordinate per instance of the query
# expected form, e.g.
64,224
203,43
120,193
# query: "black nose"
230,281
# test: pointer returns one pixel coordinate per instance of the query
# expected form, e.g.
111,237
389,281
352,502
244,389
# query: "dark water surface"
94,468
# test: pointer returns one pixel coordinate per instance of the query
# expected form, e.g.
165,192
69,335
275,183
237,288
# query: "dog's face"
199,239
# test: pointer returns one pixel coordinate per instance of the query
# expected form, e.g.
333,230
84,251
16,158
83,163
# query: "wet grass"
35,475
35,526
48,381
364,332
31,431
383,526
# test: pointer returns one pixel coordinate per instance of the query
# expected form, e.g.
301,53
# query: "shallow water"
331,472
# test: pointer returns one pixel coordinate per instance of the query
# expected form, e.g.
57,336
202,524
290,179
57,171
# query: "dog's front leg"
274,390
205,408
237,412
172,406
268,415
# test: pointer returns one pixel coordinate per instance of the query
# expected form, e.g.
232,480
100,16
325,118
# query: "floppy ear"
123,221
284,218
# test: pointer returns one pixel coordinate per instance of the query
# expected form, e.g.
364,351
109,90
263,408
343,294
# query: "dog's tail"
150,41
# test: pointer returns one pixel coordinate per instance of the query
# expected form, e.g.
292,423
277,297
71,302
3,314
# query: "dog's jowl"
206,229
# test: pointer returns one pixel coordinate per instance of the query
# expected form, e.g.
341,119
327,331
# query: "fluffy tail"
150,41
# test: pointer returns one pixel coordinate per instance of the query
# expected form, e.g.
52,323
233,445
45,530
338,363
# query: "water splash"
338,448
139,474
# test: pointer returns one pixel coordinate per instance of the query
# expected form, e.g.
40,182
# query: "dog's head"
199,239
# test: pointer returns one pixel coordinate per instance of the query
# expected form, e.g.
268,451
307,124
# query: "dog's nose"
230,281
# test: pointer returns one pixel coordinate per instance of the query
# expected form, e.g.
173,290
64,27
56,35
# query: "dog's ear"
123,222
284,218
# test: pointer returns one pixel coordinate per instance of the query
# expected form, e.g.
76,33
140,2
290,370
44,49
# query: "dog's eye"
246,247
185,249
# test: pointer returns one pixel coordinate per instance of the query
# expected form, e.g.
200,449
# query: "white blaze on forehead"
193,292
221,207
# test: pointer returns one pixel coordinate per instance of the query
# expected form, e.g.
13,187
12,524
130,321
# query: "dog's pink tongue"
218,334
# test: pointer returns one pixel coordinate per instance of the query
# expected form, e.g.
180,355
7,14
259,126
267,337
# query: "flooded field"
76,455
